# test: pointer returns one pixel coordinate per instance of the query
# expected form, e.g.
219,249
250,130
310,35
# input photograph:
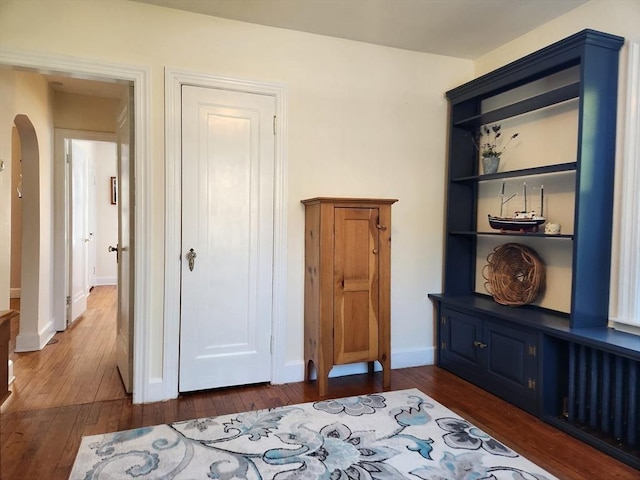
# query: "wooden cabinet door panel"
355,285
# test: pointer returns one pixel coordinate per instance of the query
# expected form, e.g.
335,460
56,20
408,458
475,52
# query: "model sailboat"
522,220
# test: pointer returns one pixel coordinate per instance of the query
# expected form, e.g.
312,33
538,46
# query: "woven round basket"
515,274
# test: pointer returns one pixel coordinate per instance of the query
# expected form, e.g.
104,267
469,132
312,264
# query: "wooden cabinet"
347,284
5,334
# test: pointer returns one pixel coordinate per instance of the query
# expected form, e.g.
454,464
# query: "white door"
77,156
91,221
124,250
227,231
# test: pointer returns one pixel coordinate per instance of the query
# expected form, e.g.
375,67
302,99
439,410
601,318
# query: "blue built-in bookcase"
555,357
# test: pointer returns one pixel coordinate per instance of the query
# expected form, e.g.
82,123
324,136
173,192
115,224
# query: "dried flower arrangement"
486,140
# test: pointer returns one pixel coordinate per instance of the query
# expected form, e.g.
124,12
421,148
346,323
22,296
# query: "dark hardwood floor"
72,388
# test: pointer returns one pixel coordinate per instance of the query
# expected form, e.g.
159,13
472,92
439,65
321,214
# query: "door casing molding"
174,80
144,388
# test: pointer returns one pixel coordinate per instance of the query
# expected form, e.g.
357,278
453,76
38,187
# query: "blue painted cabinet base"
492,354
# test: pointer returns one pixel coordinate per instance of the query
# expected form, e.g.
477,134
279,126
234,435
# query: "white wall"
364,120
618,17
105,161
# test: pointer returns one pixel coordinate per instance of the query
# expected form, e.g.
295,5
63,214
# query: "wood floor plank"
56,402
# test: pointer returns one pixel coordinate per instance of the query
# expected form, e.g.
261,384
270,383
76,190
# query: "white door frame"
61,219
144,388
174,79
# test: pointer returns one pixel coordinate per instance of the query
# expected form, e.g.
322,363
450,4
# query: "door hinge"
532,350
274,125
532,384
443,345
68,300
271,345
443,320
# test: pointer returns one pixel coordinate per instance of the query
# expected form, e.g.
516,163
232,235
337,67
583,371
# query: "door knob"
114,249
191,258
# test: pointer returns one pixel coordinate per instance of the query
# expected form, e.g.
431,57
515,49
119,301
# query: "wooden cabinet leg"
322,374
322,386
386,376
385,361
307,370
323,380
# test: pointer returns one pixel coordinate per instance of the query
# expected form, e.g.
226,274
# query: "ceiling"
91,88
456,28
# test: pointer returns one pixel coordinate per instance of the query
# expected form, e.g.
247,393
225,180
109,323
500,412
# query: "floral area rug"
387,436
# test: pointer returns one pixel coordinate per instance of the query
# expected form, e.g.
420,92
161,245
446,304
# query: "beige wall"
82,112
364,120
7,87
24,93
16,213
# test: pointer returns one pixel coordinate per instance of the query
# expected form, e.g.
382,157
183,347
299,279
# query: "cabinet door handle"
381,227
479,344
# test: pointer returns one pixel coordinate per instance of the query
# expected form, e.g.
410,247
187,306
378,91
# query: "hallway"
77,366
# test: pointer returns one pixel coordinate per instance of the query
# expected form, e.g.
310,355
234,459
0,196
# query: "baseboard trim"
416,357
156,388
11,376
101,281
294,371
33,342
154,392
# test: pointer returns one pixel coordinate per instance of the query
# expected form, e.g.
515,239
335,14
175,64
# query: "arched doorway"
31,332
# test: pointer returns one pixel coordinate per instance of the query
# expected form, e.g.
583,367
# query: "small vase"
490,164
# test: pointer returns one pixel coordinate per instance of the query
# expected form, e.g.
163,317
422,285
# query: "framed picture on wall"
114,190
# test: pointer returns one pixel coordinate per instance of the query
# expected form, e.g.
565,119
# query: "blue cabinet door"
510,363
459,334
